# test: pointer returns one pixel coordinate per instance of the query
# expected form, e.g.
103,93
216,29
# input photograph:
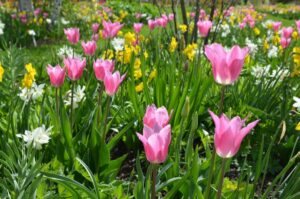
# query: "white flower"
48,21
77,98
37,137
118,44
260,71
64,22
66,51
273,52
35,92
252,46
31,32
2,25
297,103
225,30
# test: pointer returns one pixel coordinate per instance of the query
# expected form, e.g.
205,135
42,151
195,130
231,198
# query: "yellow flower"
108,54
136,49
276,39
295,35
247,59
266,45
146,55
298,127
137,63
190,51
27,81
191,27
269,26
30,70
129,38
120,33
173,45
153,74
1,72
139,87
137,74
256,31
183,28
40,20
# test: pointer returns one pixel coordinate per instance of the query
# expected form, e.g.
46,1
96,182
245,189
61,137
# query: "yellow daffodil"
139,87
27,81
137,63
295,35
298,127
137,73
190,51
146,55
153,74
30,70
256,31
183,28
173,45
1,72
108,54
129,38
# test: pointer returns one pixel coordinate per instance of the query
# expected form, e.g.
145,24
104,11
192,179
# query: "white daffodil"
31,32
118,44
297,103
35,92
37,137
79,96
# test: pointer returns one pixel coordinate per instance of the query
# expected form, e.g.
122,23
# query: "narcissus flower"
1,72
229,134
156,136
56,75
226,66
173,45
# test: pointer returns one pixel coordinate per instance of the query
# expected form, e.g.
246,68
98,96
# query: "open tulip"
89,47
101,67
276,25
204,27
72,35
56,75
75,67
226,66
112,82
156,138
287,32
284,42
152,24
229,134
110,30
137,27
156,116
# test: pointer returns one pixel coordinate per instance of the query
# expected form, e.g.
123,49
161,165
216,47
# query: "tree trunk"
56,10
25,5
184,18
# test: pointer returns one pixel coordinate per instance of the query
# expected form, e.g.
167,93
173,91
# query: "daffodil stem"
72,96
222,178
154,174
57,101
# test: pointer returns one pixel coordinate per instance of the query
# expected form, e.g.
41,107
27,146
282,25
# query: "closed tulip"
89,47
156,138
298,26
101,67
75,67
112,82
152,24
72,35
95,28
284,42
276,25
56,75
226,66
287,32
229,134
204,27
137,27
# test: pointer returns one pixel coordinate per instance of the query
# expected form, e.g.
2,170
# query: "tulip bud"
186,108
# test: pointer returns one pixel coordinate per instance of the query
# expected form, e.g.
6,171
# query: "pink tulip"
202,14
276,25
112,82
74,67
89,47
152,24
251,23
287,32
242,25
156,117
171,17
95,37
95,28
72,35
137,27
45,15
204,27
156,139
101,67
162,22
111,29
285,42
13,16
229,134
298,26
37,12
56,74
226,66
138,15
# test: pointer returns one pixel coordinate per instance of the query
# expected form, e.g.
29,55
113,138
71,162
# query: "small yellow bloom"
137,63
146,55
153,74
190,51
120,33
27,81
139,87
129,38
276,39
295,35
173,45
256,31
137,74
30,70
108,54
266,45
1,72
298,127
247,59
183,28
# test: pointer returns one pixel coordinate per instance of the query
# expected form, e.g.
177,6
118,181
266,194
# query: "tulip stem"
222,178
221,105
105,118
154,174
210,174
57,102
72,96
100,101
